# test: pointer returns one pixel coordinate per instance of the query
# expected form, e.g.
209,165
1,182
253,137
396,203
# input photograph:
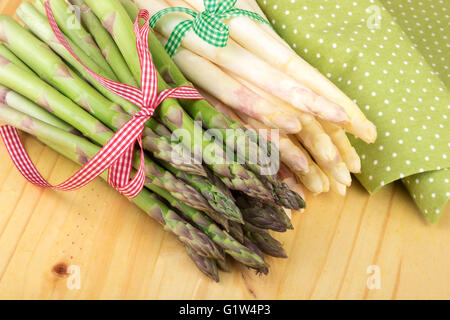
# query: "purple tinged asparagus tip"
82,157
175,116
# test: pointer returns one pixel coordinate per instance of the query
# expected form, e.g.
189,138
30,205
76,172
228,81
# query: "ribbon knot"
117,154
207,25
146,112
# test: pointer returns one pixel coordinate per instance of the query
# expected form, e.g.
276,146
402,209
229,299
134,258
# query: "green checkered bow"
207,24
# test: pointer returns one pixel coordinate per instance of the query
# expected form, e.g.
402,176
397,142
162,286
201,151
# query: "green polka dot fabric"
391,58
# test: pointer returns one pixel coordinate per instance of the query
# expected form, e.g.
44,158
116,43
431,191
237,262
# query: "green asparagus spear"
206,265
119,25
31,86
219,200
236,231
250,244
263,214
22,104
106,44
265,241
5,52
36,90
80,150
51,68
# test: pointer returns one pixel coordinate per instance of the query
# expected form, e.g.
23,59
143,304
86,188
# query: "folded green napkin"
391,57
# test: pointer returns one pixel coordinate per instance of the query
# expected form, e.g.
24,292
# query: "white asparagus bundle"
240,61
250,35
314,139
290,154
213,80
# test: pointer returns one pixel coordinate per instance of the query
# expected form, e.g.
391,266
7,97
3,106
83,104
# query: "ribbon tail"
132,188
119,173
20,157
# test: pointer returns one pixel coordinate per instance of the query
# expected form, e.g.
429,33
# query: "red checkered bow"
117,154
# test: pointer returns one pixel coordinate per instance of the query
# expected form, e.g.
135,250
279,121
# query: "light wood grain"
122,254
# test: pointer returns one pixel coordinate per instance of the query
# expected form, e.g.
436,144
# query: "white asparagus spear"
346,150
288,177
337,187
292,156
213,80
315,139
179,3
236,59
315,180
266,44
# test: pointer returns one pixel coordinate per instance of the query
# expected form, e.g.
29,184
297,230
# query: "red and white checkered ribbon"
117,154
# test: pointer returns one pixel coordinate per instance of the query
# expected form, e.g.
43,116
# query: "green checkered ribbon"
207,24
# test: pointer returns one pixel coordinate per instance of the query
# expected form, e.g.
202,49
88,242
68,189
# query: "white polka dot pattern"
364,48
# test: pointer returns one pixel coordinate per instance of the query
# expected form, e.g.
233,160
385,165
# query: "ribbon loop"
117,154
207,25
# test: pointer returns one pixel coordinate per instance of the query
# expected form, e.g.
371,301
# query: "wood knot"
60,269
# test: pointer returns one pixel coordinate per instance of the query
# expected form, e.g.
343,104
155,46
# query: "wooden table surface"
339,245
